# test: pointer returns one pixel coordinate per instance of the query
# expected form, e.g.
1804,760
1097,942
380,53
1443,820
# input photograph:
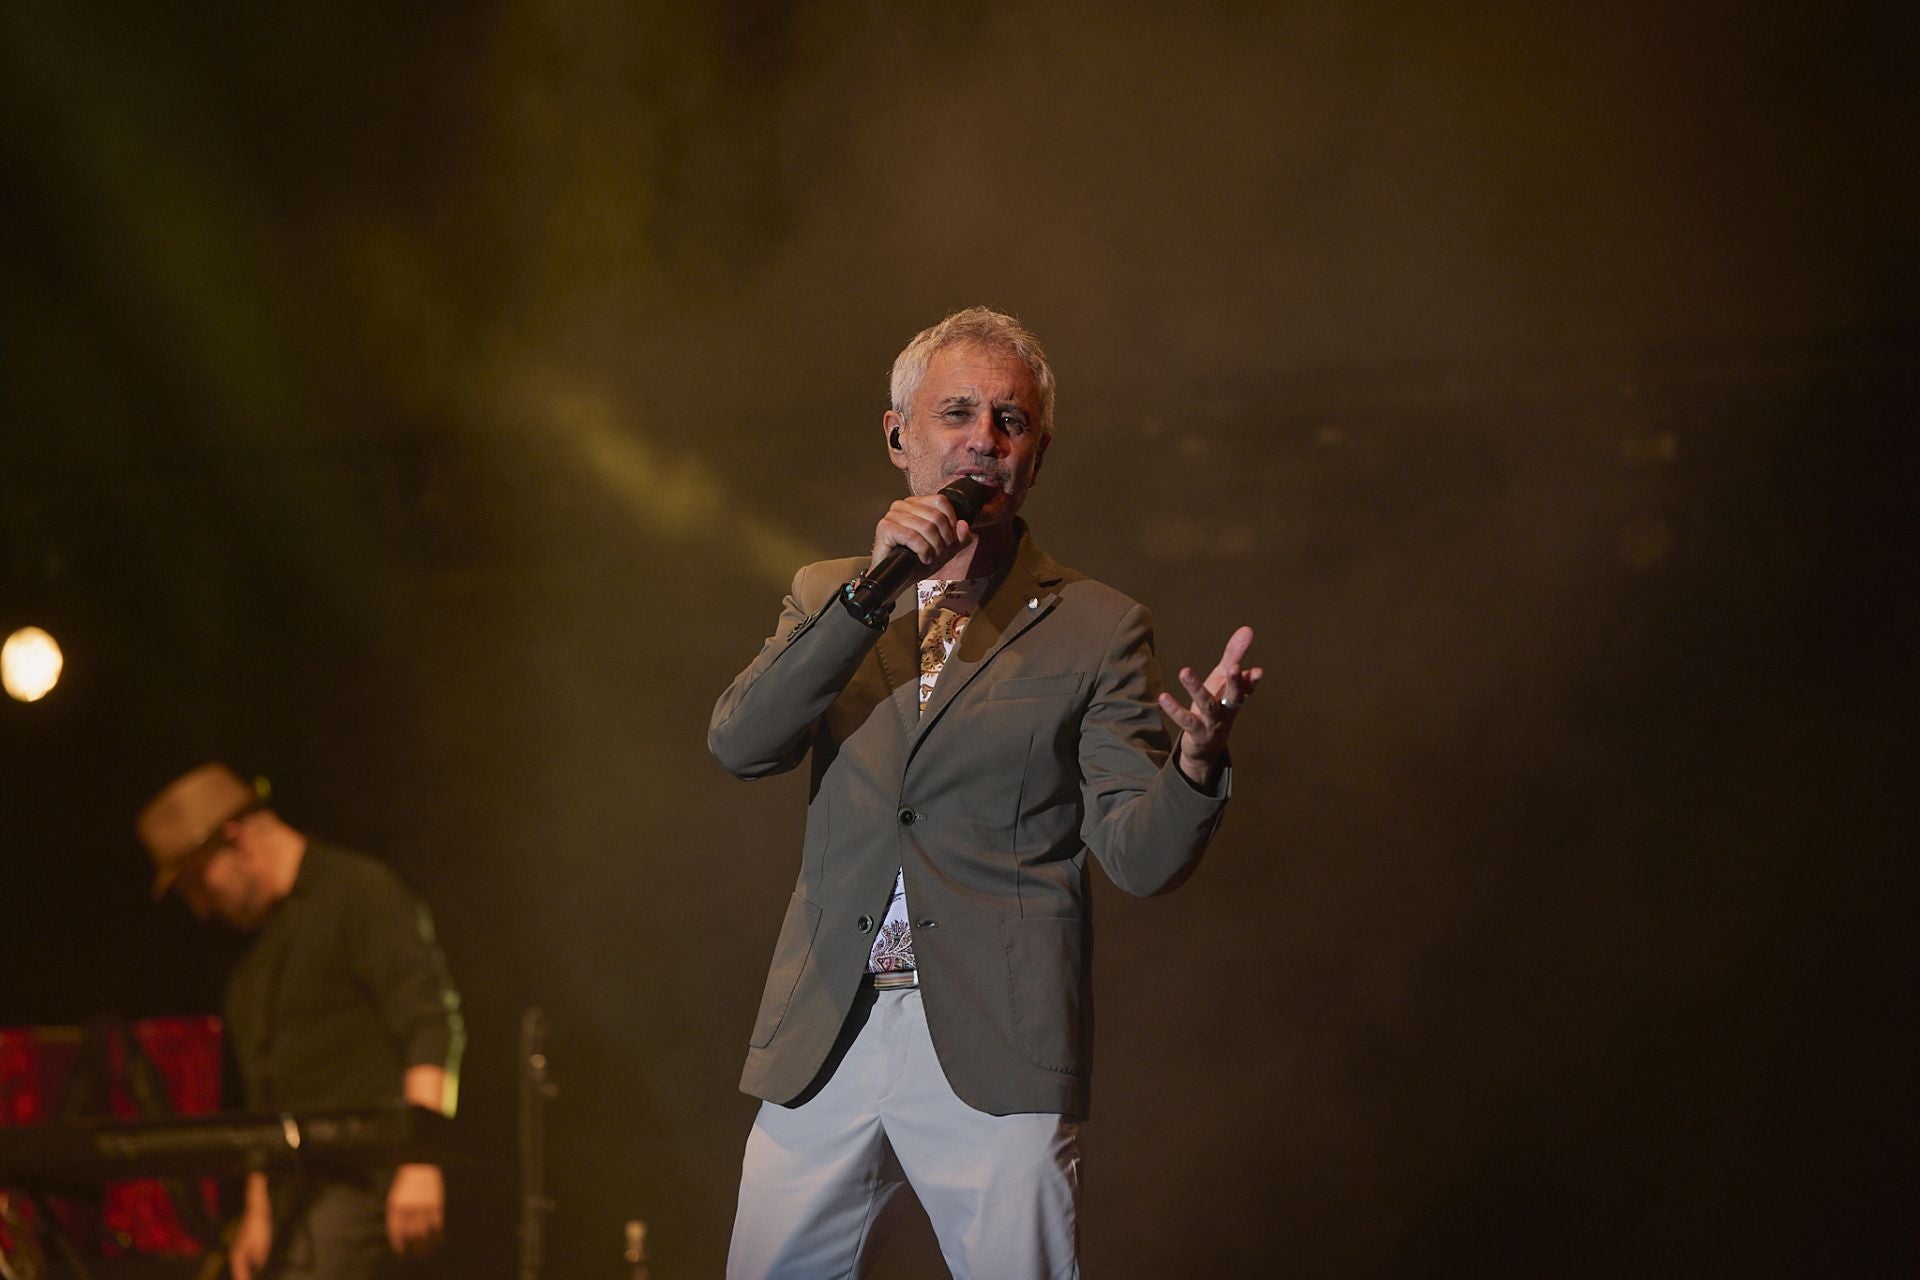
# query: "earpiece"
893,438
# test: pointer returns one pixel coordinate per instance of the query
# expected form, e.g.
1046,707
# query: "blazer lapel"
1021,598
898,653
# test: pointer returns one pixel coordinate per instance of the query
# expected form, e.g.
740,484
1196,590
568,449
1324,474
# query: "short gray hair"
987,327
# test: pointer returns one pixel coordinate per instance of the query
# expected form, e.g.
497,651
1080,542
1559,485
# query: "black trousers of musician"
338,1232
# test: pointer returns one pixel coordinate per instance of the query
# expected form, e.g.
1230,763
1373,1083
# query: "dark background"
425,405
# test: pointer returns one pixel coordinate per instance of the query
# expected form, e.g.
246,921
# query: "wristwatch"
876,617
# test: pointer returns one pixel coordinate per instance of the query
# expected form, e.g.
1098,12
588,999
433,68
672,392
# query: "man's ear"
891,424
1040,456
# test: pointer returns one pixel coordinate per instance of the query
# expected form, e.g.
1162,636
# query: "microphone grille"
967,496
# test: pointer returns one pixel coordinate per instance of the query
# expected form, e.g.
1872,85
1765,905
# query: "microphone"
874,588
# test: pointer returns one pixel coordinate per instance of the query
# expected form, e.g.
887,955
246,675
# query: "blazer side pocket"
790,956
1046,963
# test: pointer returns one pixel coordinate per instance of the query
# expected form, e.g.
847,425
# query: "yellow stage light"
30,664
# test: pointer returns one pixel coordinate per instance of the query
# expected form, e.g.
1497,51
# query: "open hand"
1206,722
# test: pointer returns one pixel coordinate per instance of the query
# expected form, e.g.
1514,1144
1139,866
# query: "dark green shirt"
343,989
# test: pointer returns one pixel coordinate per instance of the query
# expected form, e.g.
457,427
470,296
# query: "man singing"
927,1020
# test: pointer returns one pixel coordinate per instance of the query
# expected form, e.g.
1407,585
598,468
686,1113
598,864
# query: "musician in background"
342,1001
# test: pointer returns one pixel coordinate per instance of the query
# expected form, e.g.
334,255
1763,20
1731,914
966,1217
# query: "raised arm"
1147,821
765,721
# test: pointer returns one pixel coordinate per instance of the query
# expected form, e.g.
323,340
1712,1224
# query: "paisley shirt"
944,610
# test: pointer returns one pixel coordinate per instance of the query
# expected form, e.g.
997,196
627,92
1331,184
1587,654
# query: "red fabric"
187,1051
34,1062
134,1215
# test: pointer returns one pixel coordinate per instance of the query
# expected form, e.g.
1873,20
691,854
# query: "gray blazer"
1042,741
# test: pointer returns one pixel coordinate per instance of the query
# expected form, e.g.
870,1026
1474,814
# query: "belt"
893,980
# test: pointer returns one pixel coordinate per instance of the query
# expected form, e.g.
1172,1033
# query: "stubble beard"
930,475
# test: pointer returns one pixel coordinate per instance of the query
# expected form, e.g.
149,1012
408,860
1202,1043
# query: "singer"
927,1021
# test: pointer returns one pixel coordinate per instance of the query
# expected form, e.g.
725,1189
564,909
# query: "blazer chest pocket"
1061,685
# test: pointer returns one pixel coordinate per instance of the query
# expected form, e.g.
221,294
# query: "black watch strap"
876,617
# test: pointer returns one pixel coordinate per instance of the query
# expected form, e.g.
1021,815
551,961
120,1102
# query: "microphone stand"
535,1091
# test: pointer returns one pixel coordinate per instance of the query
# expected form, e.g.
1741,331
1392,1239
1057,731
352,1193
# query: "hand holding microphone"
918,534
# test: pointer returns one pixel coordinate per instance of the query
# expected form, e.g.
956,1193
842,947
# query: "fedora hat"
188,812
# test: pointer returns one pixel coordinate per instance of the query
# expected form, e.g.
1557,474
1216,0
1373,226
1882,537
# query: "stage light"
30,664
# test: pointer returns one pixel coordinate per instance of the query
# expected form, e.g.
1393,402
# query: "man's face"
222,884
975,413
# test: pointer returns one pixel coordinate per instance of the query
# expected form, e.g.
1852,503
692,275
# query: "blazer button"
926,924
866,924
908,817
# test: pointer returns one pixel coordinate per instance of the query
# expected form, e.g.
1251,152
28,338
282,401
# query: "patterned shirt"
944,609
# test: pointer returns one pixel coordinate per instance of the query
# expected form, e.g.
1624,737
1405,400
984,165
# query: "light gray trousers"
820,1187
